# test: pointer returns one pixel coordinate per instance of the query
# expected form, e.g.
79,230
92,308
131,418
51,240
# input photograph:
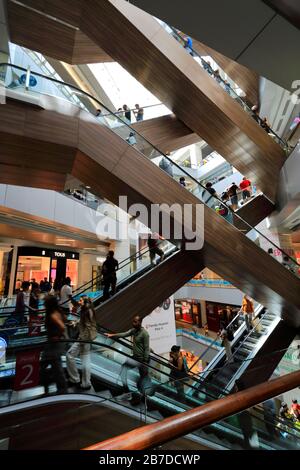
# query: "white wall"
53,206
210,294
221,186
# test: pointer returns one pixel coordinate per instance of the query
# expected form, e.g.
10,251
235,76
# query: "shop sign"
59,254
27,369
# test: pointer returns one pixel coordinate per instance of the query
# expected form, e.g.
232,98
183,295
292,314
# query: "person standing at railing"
127,113
248,311
109,268
139,113
245,186
232,193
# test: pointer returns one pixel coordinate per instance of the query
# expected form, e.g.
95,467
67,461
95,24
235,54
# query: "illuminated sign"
58,254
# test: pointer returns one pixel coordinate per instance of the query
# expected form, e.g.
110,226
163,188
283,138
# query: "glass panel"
155,388
205,194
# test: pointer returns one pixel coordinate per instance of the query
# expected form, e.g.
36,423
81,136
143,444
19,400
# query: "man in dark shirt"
22,302
140,349
127,112
45,286
109,268
154,249
209,195
232,193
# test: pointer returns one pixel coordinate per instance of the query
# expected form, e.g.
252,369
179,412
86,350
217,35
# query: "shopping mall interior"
149,225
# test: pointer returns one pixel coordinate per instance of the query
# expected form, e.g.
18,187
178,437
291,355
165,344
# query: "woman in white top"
87,332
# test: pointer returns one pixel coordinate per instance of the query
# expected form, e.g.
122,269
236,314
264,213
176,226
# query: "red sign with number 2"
27,369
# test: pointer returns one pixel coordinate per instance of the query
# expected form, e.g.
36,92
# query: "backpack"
230,334
223,210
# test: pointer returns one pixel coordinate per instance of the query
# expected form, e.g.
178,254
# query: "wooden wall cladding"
58,40
167,133
147,292
113,168
140,44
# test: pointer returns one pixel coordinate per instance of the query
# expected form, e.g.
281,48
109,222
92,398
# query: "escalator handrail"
178,38
171,428
3,64
96,279
214,342
41,345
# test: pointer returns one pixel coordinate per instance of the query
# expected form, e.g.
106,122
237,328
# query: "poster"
27,369
161,327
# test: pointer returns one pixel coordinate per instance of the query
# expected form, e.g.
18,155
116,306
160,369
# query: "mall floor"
189,326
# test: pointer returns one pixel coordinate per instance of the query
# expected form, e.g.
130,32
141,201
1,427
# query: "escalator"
165,68
122,170
221,374
128,276
161,399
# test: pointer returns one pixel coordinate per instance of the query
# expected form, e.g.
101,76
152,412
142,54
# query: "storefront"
38,263
188,311
218,315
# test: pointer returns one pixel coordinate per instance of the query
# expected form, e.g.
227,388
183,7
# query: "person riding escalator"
109,268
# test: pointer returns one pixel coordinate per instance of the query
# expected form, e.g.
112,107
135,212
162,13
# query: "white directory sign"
161,327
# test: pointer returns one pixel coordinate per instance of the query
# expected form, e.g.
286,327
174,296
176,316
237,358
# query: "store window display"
219,315
188,311
40,263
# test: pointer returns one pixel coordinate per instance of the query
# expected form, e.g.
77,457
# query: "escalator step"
244,351
252,340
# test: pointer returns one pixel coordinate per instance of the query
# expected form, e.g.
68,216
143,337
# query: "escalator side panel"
147,292
266,361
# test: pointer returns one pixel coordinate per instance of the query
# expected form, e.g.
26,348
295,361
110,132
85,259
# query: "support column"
13,271
203,312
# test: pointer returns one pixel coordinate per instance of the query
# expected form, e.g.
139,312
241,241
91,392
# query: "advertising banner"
161,327
27,369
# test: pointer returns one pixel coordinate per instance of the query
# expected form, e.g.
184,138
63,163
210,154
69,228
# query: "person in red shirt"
245,186
295,409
